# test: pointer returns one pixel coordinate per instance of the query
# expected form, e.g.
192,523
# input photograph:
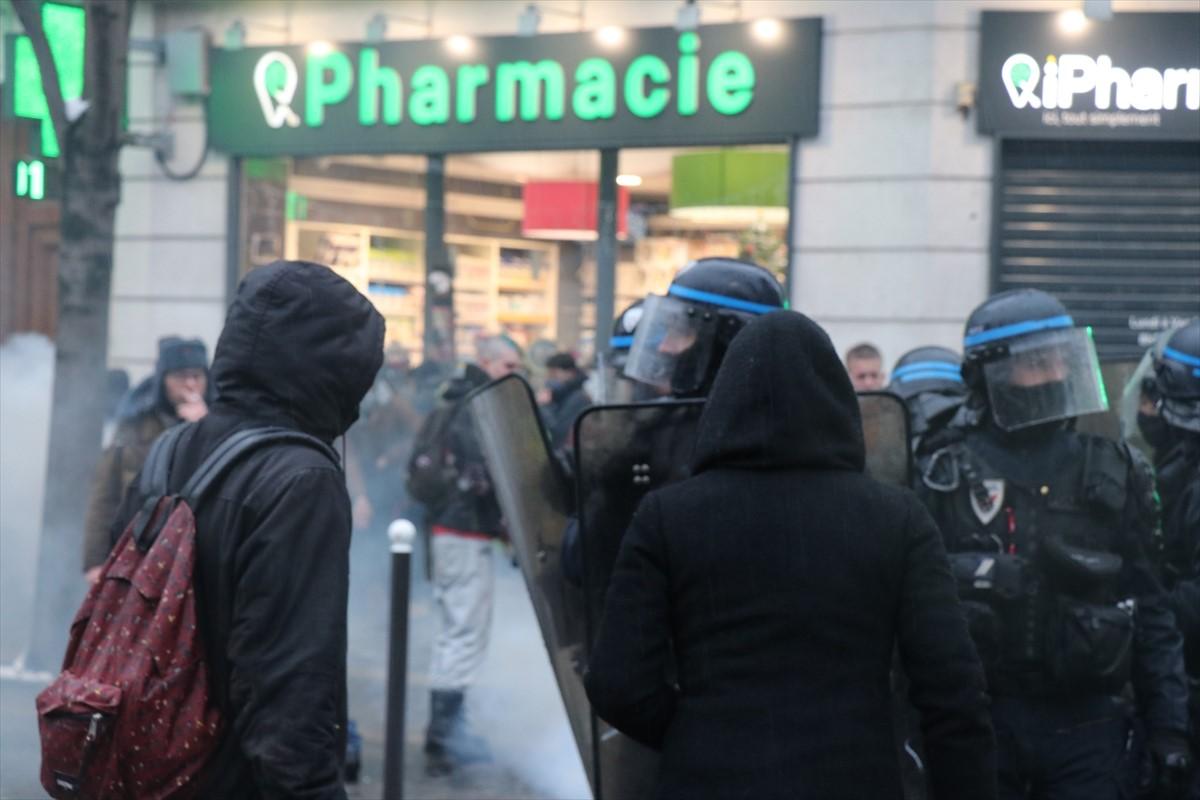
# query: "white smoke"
26,385
518,706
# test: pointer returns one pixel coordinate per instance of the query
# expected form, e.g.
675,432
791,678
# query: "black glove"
1169,765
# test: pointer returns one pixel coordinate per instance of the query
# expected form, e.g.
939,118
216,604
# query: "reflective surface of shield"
535,497
621,453
885,434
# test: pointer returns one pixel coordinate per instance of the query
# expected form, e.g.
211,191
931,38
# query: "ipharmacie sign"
1136,76
723,84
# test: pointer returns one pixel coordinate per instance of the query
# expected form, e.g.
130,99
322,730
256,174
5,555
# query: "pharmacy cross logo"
275,82
1020,73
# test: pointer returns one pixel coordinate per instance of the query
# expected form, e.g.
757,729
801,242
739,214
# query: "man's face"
185,386
866,374
677,341
506,363
1037,368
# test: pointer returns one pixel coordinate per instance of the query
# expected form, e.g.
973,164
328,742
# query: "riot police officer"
929,380
1174,432
1046,530
615,387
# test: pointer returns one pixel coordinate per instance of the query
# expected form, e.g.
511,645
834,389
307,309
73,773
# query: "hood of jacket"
300,348
781,400
463,382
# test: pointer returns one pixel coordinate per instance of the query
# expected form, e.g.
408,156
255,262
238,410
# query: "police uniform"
1047,531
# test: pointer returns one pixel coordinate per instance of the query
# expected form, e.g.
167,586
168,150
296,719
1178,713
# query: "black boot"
448,742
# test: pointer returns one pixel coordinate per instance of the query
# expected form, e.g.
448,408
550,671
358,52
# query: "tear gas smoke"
26,383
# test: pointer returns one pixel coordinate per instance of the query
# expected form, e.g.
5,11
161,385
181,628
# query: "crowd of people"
1030,601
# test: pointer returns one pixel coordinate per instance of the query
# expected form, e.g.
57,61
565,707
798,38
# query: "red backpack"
130,715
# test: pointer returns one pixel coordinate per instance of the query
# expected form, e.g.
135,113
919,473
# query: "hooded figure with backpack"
299,350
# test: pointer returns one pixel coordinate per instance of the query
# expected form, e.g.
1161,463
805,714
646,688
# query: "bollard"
401,534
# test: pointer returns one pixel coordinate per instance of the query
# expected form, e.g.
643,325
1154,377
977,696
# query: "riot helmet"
1025,359
927,369
624,326
682,336
1177,378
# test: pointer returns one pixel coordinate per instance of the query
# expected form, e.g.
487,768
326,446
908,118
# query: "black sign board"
1062,75
639,87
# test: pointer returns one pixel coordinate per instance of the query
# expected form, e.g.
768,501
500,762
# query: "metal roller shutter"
1110,228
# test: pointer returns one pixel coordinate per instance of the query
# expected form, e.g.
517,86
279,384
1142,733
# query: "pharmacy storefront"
531,185
1097,173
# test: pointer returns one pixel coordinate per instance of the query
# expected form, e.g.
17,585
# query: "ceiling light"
319,48
460,45
767,30
610,35
1072,21
629,180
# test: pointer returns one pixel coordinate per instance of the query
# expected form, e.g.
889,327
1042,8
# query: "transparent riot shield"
621,453
535,498
885,434
1121,417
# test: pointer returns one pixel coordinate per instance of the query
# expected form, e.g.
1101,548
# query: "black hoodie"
782,578
300,348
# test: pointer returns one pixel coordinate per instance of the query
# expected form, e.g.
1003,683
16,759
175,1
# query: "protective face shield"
673,346
1045,376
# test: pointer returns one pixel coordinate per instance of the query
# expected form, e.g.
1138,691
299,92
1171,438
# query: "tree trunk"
90,194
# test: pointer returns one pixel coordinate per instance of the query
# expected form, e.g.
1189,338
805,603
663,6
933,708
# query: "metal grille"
1110,228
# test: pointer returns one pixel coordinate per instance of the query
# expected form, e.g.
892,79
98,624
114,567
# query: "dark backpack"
130,715
432,474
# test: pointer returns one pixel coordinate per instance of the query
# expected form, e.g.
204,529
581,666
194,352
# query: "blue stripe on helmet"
1182,358
949,370
940,375
619,342
721,300
1018,329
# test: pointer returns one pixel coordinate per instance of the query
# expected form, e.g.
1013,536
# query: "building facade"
900,210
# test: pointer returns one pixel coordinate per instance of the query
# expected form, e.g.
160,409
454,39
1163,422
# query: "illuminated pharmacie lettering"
375,81
533,83
524,90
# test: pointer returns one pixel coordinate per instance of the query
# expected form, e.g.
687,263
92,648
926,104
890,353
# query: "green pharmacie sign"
722,84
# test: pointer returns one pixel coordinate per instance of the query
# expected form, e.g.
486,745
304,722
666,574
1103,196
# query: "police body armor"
1037,561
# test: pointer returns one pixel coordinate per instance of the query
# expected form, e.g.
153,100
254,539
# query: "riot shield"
535,498
621,453
885,434
1120,420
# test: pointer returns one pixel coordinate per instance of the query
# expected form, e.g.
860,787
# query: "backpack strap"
152,480
226,453
234,447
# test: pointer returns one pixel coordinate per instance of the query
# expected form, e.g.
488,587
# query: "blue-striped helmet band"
619,342
1183,358
925,370
1018,329
721,300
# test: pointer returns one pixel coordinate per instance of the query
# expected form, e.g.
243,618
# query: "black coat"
567,402
299,349
782,578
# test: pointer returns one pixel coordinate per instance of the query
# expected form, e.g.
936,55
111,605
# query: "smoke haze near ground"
26,382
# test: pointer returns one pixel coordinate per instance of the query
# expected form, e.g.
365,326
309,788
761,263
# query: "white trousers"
463,583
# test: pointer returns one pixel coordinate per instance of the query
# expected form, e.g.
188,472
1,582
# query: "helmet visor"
671,349
1047,376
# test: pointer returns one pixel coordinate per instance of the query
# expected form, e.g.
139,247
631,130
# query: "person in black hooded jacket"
781,577
299,349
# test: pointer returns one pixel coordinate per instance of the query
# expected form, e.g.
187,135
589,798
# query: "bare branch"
30,14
